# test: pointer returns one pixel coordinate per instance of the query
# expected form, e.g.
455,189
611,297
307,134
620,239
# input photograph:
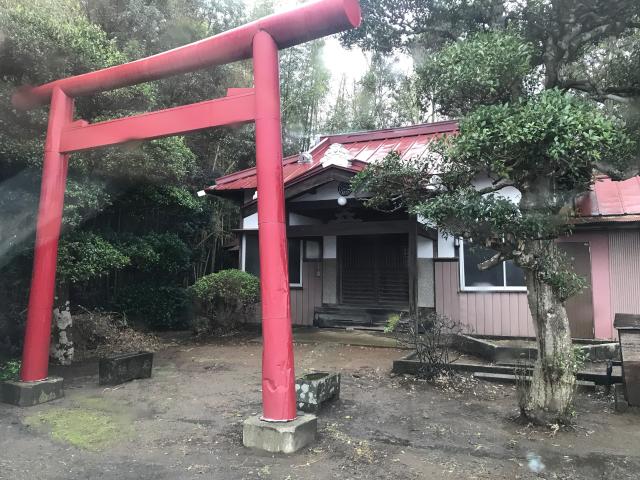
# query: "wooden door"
580,307
374,270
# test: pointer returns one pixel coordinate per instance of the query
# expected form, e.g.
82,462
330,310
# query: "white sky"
351,63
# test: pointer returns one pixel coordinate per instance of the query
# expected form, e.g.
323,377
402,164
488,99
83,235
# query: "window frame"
492,288
243,258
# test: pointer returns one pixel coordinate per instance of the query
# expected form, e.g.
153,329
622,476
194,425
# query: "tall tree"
304,80
382,98
546,94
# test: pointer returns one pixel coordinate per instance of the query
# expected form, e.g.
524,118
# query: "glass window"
515,275
473,276
501,276
313,249
294,262
252,258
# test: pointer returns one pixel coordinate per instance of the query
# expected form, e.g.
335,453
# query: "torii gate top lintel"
259,40
298,25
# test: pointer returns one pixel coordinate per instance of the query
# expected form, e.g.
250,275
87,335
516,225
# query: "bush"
83,256
226,297
431,335
163,253
9,370
158,307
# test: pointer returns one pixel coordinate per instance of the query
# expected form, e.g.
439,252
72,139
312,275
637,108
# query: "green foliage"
157,252
9,370
381,98
392,323
304,83
84,198
485,69
84,255
157,306
226,297
552,134
422,25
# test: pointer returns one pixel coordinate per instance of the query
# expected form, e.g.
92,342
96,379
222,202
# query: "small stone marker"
27,394
124,367
314,390
628,327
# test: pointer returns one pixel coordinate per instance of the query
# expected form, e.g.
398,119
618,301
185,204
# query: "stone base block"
124,367
314,390
285,437
27,394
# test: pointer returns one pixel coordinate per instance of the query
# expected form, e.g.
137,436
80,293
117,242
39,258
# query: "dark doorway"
374,270
580,307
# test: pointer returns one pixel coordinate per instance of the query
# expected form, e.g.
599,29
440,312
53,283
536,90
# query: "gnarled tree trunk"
553,383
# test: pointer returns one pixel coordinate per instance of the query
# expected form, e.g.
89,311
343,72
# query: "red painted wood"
236,109
35,354
298,25
278,376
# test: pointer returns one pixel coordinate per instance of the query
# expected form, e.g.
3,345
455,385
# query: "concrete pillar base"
285,437
27,394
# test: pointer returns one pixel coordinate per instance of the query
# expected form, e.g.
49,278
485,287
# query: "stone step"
506,378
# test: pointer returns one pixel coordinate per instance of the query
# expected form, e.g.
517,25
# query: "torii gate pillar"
278,398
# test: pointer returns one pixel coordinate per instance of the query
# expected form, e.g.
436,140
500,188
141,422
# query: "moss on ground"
87,428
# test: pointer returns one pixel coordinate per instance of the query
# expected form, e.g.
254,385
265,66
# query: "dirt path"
186,423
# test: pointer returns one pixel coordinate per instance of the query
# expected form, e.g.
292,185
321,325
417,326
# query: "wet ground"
186,422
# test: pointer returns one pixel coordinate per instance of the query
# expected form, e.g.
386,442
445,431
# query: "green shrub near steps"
225,298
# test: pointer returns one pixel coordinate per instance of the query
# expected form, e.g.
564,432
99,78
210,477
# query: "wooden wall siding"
305,299
447,286
483,313
624,258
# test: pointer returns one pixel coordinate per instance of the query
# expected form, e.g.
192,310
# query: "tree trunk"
553,384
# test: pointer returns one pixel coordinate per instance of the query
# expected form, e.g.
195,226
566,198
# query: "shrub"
431,335
83,256
157,252
226,297
158,307
9,370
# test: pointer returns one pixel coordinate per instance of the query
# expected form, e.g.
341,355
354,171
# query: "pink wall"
624,248
507,313
482,313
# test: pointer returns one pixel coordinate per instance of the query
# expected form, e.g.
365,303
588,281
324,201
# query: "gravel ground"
186,422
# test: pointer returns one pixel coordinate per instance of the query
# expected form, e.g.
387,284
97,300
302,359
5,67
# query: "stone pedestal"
124,367
284,437
27,394
628,327
314,390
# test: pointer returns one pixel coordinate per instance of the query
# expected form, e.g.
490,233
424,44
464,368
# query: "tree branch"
617,94
496,186
492,262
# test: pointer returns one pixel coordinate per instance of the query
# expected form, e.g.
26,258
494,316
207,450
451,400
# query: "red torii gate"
259,40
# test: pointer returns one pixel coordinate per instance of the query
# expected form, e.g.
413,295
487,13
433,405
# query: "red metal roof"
608,200
364,147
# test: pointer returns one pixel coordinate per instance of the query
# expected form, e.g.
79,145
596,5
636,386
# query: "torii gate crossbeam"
259,40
